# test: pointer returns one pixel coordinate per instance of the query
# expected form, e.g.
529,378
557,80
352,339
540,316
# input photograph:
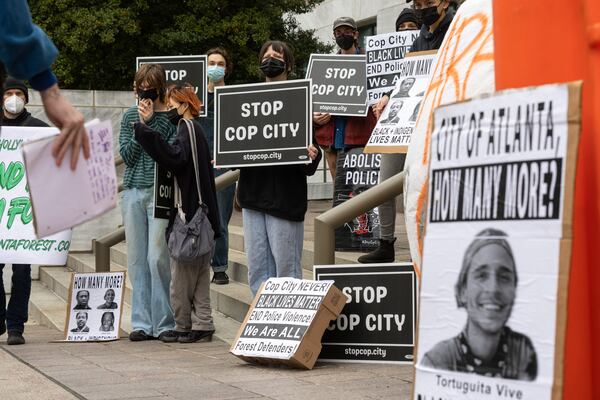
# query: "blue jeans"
273,246
147,263
18,306
220,258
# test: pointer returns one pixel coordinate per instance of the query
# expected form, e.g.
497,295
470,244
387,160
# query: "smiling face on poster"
496,246
96,301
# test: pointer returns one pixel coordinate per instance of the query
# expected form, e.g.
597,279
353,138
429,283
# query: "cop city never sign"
339,83
182,69
263,124
378,322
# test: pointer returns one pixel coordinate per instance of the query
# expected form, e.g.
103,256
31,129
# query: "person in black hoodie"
274,198
15,97
190,284
436,16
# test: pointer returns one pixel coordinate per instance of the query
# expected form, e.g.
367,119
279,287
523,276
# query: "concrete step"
48,306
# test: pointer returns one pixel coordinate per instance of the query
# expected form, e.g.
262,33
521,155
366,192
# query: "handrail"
326,223
102,245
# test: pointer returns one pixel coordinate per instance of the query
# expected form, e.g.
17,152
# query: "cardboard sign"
95,306
379,320
383,55
263,124
394,128
286,320
18,242
339,83
164,185
62,198
355,173
182,69
497,246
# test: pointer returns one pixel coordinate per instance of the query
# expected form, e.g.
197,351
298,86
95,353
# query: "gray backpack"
191,242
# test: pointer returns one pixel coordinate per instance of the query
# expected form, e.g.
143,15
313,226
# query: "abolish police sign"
384,53
339,83
182,69
263,124
378,322
497,247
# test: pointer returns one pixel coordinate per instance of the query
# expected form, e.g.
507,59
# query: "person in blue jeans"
147,253
14,316
219,67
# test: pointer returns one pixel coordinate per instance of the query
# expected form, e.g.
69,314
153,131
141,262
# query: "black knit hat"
12,83
407,15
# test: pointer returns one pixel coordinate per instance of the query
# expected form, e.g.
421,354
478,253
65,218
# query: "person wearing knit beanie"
407,20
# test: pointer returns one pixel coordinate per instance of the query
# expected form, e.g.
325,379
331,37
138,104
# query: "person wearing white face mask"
13,317
16,96
219,67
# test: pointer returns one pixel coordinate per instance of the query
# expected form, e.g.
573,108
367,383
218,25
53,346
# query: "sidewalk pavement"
154,370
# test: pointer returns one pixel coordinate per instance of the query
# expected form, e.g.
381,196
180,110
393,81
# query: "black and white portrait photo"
109,303
405,86
486,289
393,116
81,318
107,322
83,298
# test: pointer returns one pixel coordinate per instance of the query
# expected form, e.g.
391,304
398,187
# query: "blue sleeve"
25,49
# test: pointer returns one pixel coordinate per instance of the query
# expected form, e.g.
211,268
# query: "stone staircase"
230,302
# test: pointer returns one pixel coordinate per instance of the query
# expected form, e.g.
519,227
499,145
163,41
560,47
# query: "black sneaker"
138,336
2,327
15,338
171,336
383,254
194,336
220,278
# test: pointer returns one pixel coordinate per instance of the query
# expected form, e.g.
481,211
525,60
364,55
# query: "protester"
274,198
407,20
392,164
28,54
190,284
486,289
13,317
219,68
147,255
337,133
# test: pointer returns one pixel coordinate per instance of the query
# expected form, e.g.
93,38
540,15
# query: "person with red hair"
190,291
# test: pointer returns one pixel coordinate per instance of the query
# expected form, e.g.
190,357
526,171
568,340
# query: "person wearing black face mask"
339,133
436,16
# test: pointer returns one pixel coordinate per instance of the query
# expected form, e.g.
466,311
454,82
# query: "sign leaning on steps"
286,321
95,306
378,323
497,248
18,242
263,124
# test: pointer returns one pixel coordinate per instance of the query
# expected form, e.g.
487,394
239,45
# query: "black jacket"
433,40
177,158
24,119
280,191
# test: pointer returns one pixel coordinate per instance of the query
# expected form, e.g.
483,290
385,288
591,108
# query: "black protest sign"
163,192
355,173
378,322
182,69
339,84
263,124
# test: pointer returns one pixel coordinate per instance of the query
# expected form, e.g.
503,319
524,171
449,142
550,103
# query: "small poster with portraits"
397,121
95,306
497,246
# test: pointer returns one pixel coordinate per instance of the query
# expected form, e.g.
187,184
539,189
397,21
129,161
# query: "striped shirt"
139,166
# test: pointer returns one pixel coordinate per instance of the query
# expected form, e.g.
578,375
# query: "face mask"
272,67
345,41
151,94
428,15
215,73
174,116
14,104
